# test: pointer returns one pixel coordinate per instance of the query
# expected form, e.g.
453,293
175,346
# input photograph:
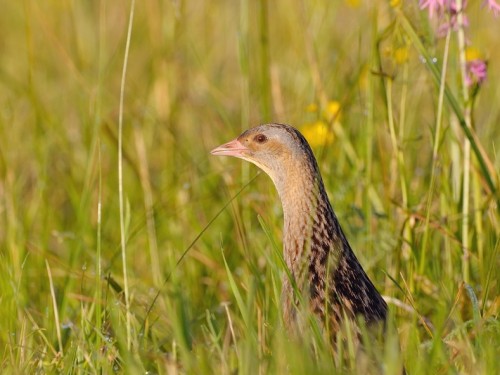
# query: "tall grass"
199,288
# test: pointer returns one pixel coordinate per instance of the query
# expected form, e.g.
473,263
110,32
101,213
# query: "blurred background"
347,73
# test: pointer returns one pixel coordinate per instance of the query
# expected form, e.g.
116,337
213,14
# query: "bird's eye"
260,138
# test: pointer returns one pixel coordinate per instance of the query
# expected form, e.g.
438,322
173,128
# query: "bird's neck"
310,226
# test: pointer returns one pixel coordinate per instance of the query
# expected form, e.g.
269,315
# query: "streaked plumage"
316,251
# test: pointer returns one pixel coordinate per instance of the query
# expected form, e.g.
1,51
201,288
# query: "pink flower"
447,13
476,72
433,5
493,6
451,23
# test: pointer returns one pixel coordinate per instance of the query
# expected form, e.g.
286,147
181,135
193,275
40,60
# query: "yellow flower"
401,55
317,133
472,53
363,77
353,3
395,3
332,111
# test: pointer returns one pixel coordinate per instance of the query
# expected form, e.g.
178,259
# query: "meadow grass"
100,165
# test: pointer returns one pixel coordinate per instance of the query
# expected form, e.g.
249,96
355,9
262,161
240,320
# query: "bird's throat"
304,204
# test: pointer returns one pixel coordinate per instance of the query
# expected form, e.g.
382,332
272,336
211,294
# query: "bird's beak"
233,148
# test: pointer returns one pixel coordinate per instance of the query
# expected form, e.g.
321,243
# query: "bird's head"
279,150
270,147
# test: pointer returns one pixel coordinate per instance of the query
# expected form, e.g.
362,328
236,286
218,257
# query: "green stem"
120,178
488,171
370,110
265,62
435,150
244,60
98,276
467,144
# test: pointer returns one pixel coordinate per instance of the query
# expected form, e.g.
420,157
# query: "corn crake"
320,261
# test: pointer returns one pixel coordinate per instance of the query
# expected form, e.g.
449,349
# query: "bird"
320,262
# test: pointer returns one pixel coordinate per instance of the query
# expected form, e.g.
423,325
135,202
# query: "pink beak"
233,148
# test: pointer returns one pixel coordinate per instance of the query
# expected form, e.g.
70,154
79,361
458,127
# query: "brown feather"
316,251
